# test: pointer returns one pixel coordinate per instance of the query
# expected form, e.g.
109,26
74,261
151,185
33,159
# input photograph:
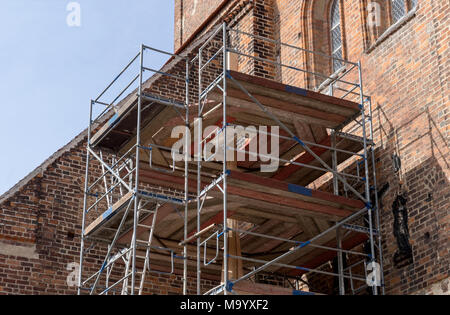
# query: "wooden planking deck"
106,224
288,102
310,257
273,88
249,189
109,217
318,257
121,127
303,175
282,188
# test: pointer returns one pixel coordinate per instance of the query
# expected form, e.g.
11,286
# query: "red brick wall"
40,228
407,77
406,73
44,216
189,15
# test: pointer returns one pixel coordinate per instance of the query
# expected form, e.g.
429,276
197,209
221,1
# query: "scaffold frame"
124,171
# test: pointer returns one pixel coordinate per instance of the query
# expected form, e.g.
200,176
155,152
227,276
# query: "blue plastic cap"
299,141
103,267
296,292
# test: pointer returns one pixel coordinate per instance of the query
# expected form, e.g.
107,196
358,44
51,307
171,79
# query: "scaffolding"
139,196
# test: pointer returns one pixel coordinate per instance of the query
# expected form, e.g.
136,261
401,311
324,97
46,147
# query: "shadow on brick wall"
412,157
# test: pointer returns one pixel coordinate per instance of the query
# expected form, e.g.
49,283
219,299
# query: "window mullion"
389,12
337,48
407,6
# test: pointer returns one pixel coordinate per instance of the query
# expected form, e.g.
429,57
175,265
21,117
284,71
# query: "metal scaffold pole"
340,257
85,202
187,157
377,202
136,178
366,167
225,210
198,156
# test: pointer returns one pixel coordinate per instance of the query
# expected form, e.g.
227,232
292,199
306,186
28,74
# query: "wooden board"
120,129
277,193
109,217
285,101
303,175
106,225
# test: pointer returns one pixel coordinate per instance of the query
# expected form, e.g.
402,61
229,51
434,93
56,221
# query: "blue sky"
50,71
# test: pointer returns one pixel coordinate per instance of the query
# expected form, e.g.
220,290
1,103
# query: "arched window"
382,15
336,34
398,10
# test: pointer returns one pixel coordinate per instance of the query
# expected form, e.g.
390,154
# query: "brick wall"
405,70
189,15
406,75
40,228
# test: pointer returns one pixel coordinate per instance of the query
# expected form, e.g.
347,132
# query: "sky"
51,67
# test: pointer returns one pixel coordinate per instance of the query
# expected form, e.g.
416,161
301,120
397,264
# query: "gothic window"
398,10
336,34
324,28
383,14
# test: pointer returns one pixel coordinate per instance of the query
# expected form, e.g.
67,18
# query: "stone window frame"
325,86
310,36
411,7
